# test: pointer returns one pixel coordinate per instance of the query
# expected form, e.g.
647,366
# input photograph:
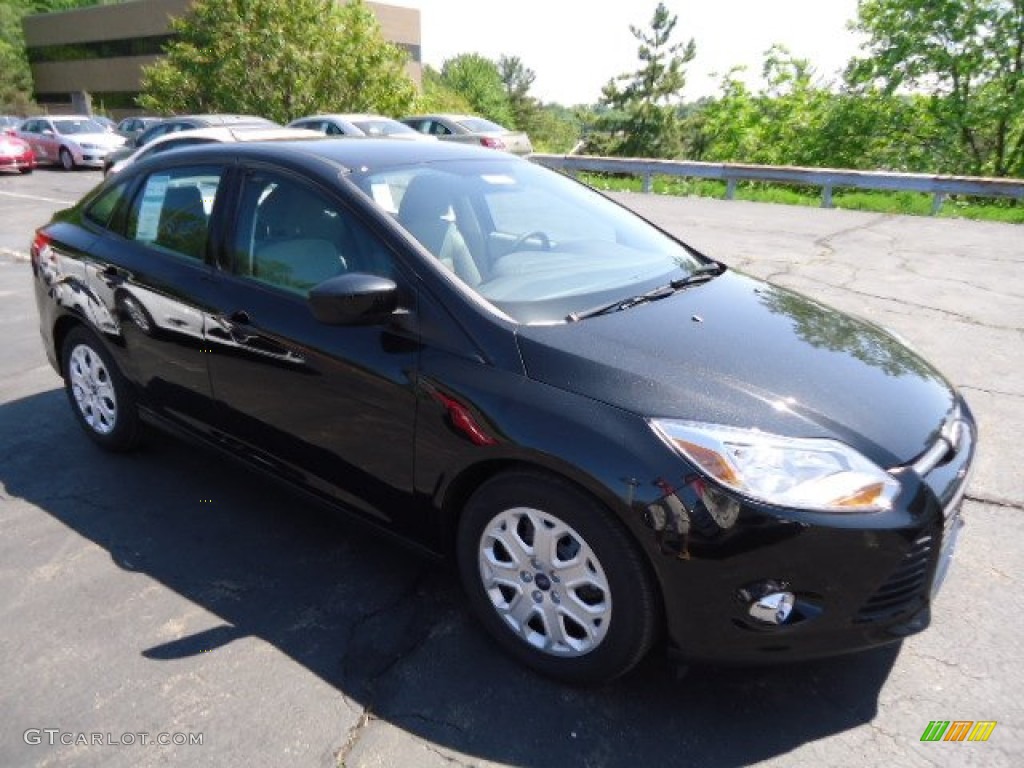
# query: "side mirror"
354,299
48,132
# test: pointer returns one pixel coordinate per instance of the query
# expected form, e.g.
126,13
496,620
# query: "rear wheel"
555,579
99,395
67,162
25,170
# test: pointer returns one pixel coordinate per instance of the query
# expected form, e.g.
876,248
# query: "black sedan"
620,441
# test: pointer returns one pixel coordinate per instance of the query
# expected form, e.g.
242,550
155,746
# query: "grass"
908,203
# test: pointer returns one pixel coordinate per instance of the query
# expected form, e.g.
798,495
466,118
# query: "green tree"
643,106
15,77
437,96
280,59
477,79
517,79
968,57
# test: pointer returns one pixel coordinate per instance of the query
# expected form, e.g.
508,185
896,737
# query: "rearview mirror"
354,299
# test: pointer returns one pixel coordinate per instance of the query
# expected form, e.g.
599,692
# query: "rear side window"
171,210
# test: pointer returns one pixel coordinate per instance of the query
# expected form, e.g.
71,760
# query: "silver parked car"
70,140
214,134
374,126
467,129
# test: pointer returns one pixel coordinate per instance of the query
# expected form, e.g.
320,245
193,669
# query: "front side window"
533,243
102,209
291,236
171,211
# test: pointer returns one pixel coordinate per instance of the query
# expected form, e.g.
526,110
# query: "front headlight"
89,146
804,473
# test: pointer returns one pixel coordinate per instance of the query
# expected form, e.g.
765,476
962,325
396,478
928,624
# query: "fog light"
773,608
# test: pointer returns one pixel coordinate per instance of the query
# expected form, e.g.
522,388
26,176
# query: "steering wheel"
542,237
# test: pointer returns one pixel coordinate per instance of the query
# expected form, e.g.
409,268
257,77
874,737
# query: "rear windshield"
381,127
479,125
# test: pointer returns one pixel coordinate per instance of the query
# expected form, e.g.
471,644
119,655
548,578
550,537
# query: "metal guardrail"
826,178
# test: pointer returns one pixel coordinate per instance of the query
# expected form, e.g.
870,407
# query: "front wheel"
99,395
67,161
556,580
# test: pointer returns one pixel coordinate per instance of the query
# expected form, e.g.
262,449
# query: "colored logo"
958,730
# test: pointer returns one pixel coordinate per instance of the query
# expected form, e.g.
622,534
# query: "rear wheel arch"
64,325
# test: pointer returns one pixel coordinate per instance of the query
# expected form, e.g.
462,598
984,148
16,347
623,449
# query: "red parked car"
16,154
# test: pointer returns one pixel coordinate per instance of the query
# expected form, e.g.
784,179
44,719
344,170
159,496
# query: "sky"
576,46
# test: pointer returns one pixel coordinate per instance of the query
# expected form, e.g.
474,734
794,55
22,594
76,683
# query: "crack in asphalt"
946,663
354,733
965,319
403,596
396,717
448,758
825,241
993,392
995,502
403,649
827,251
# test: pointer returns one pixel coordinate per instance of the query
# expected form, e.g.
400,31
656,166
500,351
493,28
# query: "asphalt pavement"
171,595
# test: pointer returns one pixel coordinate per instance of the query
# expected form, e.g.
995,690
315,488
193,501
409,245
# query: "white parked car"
373,126
217,133
69,140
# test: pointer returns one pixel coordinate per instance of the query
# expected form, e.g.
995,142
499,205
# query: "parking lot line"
37,197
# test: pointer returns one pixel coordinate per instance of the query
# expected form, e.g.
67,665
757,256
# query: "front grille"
903,593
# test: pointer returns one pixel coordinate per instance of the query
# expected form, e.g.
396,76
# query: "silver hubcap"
92,389
545,582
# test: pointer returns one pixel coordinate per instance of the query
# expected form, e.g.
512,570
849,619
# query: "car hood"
101,139
740,352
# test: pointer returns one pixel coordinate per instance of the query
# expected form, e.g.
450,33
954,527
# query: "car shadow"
387,628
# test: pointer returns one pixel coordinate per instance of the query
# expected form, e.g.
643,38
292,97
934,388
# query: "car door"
32,132
152,270
330,407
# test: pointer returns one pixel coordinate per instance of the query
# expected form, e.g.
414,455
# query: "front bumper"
17,162
860,581
93,158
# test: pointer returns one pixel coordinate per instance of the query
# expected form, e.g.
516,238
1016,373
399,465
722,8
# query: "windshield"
533,243
382,127
479,125
65,127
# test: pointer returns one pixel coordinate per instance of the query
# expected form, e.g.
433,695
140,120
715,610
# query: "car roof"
443,116
222,119
244,132
360,116
356,153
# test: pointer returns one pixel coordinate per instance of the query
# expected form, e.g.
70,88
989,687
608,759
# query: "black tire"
616,578
25,171
100,397
67,160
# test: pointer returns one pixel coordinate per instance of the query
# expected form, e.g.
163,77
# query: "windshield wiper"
700,275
